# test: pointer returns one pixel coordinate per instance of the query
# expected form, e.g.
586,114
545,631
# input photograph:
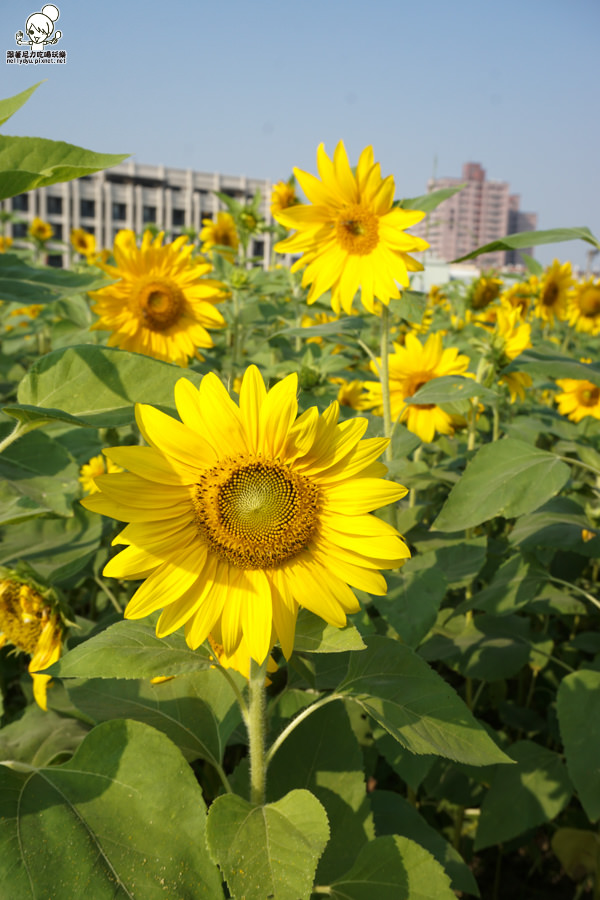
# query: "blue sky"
252,89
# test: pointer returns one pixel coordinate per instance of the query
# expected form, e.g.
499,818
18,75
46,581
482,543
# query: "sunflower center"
589,302
160,303
550,294
255,512
22,615
588,394
357,229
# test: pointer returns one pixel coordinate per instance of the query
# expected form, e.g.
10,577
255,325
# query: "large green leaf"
505,478
415,705
29,162
413,598
450,389
24,284
553,365
393,868
524,239
268,851
578,705
314,635
523,796
513,586
97,386
428,202
131,650
37,476
39,736
123,818
9,106
198,712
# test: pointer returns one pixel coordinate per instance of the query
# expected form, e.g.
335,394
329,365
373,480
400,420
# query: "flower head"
162,304
31,621
5,243
283,196
98,465
84,243
410,368
351,236
40,230
484,291
240,514
553,291
584,307
220,233
579,398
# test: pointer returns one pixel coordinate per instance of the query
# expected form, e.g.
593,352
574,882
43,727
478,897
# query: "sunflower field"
298,570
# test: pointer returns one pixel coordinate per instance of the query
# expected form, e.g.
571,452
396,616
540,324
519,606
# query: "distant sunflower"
584,307
98,465
162,304
283,196
239,515
220,233
553,292
83,242
410,368
40,230
579,398
5,243
484,291
351,236
518,295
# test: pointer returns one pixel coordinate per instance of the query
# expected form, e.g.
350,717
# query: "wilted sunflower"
351,236
162,304
553,292
83,242
579,398
584,306
220,233
32,623
411,367
40,230
238,515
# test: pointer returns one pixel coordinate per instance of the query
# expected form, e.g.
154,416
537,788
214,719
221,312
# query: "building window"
54,206
178,217
148,214
58,231
19,229
87,209
21,203
55,260
119,212
259,248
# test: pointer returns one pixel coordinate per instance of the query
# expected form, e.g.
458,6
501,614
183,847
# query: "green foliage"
578,704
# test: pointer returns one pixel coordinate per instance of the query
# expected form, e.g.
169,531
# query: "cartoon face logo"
39,28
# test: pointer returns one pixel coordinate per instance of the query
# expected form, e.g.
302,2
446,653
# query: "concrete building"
132,195
481,212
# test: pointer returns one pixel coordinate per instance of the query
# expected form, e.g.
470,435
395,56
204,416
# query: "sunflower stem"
256,731
384,377
18,431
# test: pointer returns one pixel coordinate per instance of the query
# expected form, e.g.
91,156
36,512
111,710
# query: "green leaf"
513,586
39,736
395,815
578,706
198,712
428,202
553,366
524,239
345,325
537,787
98,386
506,478
39,476
578,851
450,389
123,818
29,162
390,868
9,106
23,284
314,635
322,755
415,705
413,598
268,851
131,650
558,523
410,306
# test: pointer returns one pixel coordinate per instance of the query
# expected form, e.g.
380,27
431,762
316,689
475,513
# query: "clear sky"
252,89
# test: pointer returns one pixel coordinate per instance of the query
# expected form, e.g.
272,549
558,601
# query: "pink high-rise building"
481,212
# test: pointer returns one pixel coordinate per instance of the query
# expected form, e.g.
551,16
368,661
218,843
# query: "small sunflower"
32,623
220,233
40,230
83,242
351,393
484,291
553,292
411,367
351,235
283,196
240,514
5,243
162,304
584,306
98,465
519,296
579,398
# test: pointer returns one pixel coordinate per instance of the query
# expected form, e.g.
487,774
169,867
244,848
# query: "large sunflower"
411,367
584,306
554,285
351,235
161,305
238,515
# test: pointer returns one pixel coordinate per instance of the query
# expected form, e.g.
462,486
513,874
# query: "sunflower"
97,465
410,368
484,291
239,515
5,243
579,398
83,242
162,305
351,235
40,230
32,623
584,306
283,196
351,393
220,233
553,292
518,296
